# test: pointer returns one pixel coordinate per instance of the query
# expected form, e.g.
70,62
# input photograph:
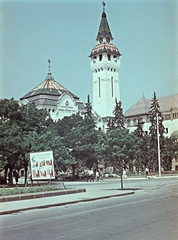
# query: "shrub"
25,190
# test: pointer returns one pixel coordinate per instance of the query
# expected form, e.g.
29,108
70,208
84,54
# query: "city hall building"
105,66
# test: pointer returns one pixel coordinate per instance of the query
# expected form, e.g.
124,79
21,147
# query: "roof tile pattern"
48,87
166,103
104,29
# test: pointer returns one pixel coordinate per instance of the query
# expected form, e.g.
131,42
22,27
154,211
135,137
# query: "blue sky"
145,32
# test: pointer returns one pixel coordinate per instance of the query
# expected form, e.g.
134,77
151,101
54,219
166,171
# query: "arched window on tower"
109,57
100,57
115,58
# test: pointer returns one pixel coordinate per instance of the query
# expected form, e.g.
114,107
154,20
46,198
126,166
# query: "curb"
65,203
39,195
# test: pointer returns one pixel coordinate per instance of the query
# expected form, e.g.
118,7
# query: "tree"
47,142
88,107
155,113
142,156
18,123
110,124
79,135
33,122
121,147
9,137
118,121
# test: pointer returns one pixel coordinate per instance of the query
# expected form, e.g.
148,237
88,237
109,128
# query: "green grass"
25,190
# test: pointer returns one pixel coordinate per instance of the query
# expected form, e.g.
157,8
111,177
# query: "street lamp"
159,161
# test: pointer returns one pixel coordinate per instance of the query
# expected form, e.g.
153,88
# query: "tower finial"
49,61
104,4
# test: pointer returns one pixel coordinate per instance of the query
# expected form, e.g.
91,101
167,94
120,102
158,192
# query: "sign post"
42,165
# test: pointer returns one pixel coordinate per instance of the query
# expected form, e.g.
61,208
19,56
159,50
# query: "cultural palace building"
104,65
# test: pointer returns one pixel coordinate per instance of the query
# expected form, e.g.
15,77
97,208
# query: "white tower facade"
105,65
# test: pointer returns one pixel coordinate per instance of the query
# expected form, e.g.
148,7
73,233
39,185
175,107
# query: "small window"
128,123
115,58
166,130
134,122
109,57
100,57
146,132
94,59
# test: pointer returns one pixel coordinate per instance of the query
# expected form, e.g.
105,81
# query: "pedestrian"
16,175
101,176
124,174
97,176
146,172
86,176
91,175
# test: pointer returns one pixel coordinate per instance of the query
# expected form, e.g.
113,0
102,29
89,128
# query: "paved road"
151,213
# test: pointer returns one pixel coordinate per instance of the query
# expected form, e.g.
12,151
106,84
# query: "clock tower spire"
105,65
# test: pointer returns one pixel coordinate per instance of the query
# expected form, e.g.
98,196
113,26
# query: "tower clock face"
101,40
108,39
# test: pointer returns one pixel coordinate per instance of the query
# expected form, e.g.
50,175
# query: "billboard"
42,165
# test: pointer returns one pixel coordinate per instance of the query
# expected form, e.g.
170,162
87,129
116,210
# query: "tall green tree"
156,117
88,107
142,156
119,120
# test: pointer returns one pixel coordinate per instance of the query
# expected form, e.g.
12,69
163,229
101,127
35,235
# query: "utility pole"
159,161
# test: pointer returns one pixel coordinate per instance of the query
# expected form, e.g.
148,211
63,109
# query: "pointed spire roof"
48,87
104,38
104,30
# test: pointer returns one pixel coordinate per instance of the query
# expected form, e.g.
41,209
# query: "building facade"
169,109
55,98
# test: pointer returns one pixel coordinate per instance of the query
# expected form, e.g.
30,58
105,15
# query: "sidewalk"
91,193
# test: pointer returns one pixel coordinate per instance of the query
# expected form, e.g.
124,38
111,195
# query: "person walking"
101,176
86,176
146,172
91,175
16,176
97,176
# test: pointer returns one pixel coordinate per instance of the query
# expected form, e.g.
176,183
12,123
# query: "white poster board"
42,165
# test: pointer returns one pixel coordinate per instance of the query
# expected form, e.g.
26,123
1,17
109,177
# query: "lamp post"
159,161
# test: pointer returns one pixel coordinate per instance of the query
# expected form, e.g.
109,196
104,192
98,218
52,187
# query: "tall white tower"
105,66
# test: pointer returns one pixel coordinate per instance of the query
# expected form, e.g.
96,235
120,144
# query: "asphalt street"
149,214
